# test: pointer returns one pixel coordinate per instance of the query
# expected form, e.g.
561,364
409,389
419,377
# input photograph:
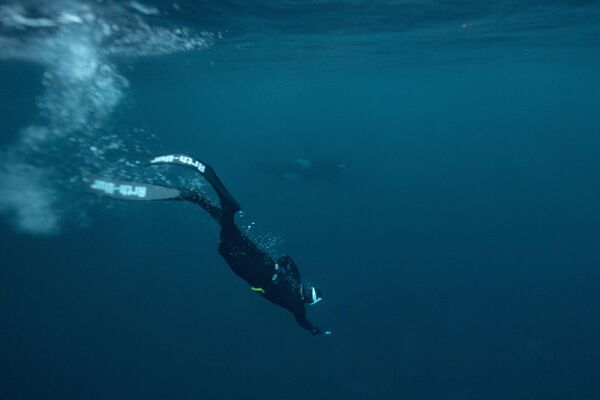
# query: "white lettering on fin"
180,159
125,190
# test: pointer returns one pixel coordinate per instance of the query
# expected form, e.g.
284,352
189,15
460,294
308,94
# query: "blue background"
458,252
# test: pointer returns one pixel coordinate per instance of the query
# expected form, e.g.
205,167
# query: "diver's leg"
197,198
228,203
229,206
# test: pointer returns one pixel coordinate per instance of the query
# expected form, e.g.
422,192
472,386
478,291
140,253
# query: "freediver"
278,280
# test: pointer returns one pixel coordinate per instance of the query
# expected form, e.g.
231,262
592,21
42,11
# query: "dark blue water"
450,211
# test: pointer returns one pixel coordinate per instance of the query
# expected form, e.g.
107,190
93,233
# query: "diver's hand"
316,331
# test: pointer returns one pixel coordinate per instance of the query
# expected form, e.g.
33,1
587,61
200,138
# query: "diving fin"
131,190
203,169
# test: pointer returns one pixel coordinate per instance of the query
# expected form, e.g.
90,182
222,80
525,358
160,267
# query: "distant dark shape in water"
278,281
305,170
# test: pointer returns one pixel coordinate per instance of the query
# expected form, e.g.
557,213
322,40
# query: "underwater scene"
320,199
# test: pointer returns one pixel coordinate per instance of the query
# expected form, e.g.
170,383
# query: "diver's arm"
306,324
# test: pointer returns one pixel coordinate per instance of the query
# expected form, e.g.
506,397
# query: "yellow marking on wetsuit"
257,290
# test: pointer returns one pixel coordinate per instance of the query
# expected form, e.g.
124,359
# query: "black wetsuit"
277,281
